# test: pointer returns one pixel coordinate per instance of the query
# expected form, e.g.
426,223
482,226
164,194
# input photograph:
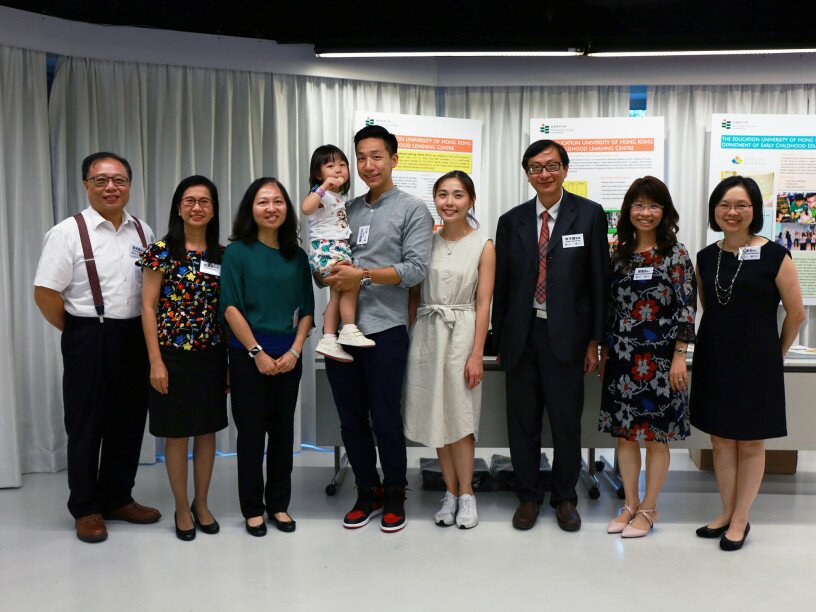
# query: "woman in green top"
268,304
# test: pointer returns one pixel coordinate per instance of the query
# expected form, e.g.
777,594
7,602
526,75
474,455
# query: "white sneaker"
329,347
467,517
447,513
350,335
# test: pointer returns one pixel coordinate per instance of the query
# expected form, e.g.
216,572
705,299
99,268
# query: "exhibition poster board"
428,148
606,154
779,153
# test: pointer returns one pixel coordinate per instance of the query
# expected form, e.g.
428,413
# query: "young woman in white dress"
448,314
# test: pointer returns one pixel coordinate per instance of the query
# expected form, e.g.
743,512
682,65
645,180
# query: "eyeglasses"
640,207
101,180
191,202
549,167
741,207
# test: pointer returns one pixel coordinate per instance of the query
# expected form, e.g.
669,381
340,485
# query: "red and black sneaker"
369,503
393,518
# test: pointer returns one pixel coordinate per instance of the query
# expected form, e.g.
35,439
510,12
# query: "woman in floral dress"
643,364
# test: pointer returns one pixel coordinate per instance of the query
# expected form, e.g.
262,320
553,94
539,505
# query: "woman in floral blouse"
643,364
188,359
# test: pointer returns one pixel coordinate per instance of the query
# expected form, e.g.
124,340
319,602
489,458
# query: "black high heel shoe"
210,529
185,535
258,531
285,526
731,545
707,532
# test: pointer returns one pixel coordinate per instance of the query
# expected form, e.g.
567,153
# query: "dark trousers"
372,385
263,406
539,380
104,390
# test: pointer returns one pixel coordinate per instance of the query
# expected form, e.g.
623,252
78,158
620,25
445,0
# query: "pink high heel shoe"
616,526
634,532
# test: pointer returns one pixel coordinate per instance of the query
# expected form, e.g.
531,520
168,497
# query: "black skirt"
196,402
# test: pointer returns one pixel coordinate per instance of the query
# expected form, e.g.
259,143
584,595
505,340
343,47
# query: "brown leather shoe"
91,528
526,515
567,516
133,513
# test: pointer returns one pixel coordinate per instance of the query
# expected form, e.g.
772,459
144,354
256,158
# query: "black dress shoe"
258,531
707,532
285,526
729,545
185,535
211,528
567,515
526,515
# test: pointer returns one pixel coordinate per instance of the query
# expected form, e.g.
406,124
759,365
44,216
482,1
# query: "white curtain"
687,110
506,113
232,126
31,427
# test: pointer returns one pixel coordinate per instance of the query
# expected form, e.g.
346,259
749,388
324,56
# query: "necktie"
543,241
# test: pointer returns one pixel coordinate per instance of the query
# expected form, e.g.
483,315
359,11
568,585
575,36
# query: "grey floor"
492,567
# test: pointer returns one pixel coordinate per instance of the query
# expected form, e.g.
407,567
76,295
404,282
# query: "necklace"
448,246
724,293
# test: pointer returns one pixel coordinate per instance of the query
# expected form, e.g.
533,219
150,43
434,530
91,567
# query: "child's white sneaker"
447,513
330,347
467,517
350,335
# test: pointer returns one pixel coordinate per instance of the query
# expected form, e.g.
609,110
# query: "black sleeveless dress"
737,384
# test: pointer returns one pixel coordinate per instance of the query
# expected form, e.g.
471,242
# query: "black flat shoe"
185,535
284,526
707,532
258,531
730,545
210,529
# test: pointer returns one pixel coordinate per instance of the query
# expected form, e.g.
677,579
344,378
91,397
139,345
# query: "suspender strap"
140,232
90,265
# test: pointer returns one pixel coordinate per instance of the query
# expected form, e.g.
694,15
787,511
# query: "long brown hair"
653,189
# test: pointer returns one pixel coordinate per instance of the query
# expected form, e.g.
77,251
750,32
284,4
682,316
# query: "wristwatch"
253,352
366,280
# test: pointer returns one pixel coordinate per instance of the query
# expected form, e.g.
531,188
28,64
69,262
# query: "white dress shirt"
552,211
62,265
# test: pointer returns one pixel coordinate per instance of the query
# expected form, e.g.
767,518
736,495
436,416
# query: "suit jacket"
577,279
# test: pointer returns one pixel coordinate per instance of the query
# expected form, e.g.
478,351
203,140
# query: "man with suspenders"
88,286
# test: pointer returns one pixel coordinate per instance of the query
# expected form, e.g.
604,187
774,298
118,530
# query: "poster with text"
606,154
428,148
779,153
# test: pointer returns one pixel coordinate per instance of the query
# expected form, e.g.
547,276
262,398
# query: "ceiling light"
701,52
388,54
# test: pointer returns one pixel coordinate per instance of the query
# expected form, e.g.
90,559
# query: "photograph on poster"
796,207
612,218
796,236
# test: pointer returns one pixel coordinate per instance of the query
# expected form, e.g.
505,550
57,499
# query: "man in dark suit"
552,274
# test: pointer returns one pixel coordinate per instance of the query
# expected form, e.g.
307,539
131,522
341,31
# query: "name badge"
749,252
210,268
571,241
644,273
295,318
362,234
136,251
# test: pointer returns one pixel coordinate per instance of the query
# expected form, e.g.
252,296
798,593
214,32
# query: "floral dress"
652,304
187,315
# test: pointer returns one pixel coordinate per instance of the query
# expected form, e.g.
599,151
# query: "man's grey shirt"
400,234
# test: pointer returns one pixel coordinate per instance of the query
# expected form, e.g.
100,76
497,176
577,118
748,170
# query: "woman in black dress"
738,393
652,307
188,359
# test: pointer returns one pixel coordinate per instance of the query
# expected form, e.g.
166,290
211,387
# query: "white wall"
31,31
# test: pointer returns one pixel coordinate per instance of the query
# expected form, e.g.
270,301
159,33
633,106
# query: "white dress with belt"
439,408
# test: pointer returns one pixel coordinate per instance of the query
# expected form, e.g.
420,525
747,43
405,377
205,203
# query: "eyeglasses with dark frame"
549,167
102,180
191,202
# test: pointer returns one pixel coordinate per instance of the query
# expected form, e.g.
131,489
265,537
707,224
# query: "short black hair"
95,157
542,145
175,238
245,229
323,155
377,131
754,194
